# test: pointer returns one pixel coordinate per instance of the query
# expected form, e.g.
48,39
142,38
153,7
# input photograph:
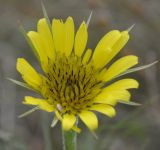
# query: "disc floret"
72,85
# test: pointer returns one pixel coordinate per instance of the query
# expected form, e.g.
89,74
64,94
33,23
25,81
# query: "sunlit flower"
76,82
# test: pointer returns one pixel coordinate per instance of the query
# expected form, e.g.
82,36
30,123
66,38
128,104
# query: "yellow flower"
76,82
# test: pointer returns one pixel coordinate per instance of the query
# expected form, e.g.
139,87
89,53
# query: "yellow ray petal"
89,119
35,39
87,56
111,97
39,46
122,84
121,42
105,109
120,66
28,73
68,121
46,36
104,48
58,30
69,36
41,103
81,39
76,129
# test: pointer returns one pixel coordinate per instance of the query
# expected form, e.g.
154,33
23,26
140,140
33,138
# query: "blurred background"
134,128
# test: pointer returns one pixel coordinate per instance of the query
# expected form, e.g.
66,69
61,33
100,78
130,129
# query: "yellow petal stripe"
120,66
112,97
41,103
58,30
68,121
89,119
87,56
28,73
105,109
69,36
46,36
81,39
104,48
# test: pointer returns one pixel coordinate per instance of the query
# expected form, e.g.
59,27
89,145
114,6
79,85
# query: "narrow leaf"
28,112
46,16
130,103
22,30
137,68
22,84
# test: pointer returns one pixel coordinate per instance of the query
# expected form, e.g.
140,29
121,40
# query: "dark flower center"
72,85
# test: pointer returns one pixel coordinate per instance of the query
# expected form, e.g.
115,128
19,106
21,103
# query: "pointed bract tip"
94,134
91,13
54,122
130,28
89,18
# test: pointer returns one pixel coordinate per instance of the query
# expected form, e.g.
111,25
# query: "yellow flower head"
76,81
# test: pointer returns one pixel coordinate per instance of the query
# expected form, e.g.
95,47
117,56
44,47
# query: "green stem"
69,140
45,121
